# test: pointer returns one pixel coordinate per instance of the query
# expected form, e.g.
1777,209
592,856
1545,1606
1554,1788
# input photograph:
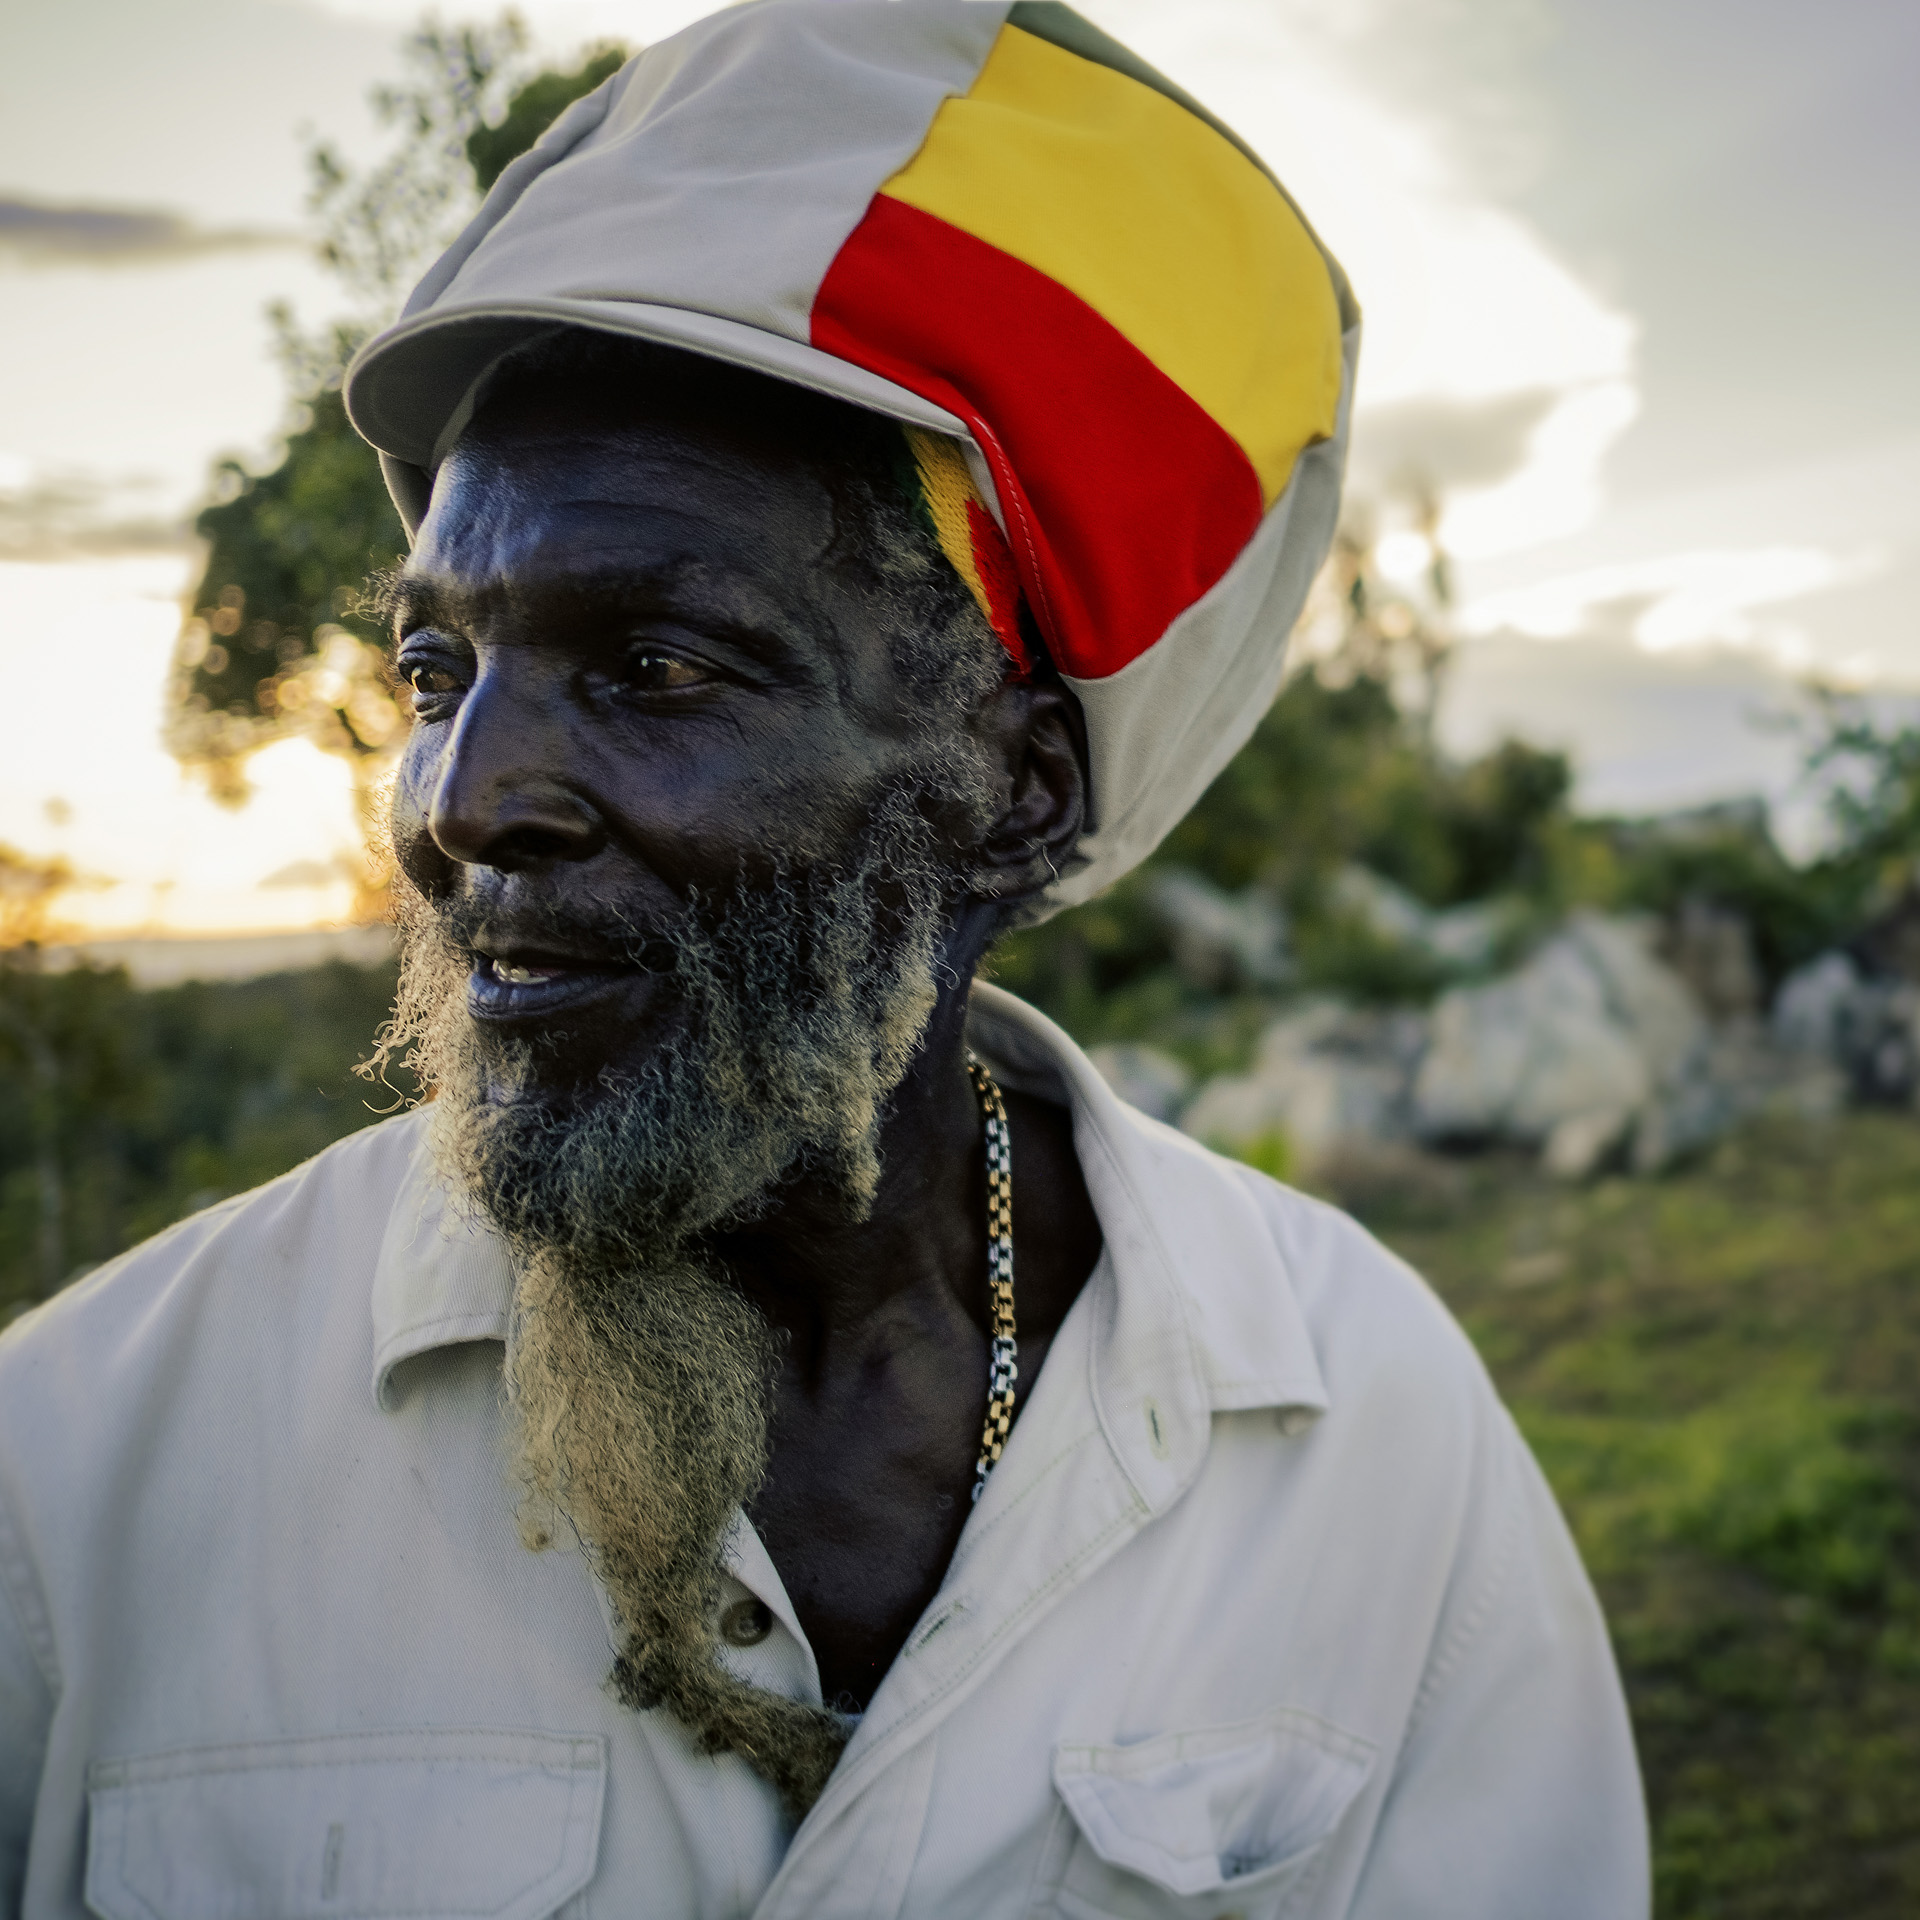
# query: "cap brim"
408,389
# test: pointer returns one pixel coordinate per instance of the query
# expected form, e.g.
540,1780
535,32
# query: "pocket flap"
429,1826
1197,1812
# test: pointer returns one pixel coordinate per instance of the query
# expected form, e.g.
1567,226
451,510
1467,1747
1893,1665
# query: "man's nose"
507,793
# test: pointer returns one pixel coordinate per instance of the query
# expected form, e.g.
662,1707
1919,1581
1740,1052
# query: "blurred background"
1562,919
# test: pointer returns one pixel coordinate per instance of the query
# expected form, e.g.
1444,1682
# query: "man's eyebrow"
396,599
402,601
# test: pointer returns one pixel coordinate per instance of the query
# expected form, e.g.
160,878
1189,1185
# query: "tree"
491,148
276,643
29,893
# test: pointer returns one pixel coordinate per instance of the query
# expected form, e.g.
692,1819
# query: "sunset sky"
1640,287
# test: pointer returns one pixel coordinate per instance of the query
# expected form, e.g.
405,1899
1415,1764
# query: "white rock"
1576,1145
1311,1024
1466,937
1234,1109
1326,1075
1463,937
1381,906
1646,996
1221,940
1320,1103
1516,1057
1810,1011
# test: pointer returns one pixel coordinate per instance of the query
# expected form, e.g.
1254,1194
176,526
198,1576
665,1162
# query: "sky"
1639,291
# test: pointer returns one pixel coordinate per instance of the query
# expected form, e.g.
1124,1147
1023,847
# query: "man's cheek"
414,850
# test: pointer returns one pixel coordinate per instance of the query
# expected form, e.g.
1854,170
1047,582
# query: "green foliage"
1268,1153
379,229
1875,798
1729,859
1336,775
1726,857
1333,775
287,554
290,550
166,1101
491,149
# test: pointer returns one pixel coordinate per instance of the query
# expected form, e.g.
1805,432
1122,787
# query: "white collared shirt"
1266,1611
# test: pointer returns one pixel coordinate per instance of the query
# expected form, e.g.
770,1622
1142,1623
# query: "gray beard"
639,1379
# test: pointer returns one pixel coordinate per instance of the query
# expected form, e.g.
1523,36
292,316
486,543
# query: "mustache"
585,933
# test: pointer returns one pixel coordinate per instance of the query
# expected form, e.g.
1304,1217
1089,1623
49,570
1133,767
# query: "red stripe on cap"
1124,500
993,562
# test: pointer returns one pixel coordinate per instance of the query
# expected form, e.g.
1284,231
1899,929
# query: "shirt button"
746,1623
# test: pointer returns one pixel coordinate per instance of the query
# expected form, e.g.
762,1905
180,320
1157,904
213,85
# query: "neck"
822,1278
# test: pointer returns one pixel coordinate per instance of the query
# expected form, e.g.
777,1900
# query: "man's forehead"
738,600
608,410
628,506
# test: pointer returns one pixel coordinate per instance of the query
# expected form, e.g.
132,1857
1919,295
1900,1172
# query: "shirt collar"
442,1276
1198,1313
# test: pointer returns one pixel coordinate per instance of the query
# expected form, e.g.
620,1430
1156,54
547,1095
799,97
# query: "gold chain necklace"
1003,1364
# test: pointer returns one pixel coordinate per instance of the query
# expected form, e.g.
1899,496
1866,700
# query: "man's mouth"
527,986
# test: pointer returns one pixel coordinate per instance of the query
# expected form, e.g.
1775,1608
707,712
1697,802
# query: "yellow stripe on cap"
947,487
1158,223
968,535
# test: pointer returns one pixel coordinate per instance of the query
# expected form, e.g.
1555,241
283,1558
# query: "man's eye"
649,671
428,680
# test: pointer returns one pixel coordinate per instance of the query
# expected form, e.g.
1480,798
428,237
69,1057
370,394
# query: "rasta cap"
1123,360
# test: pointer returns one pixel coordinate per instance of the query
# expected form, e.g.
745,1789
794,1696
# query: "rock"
1144,1077
1462,939
1578,1146
1682,1119
1648,999
1594,1047
1380,906
1328,1025
1221,940
1879,1043
1810,1010
1331,1078
1516,1057
1466,938
1866,1029
1711,948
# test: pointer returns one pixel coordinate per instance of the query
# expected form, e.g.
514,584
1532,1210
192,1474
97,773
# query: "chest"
870,1486
391,1708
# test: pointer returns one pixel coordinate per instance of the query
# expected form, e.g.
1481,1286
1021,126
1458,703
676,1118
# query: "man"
775,1435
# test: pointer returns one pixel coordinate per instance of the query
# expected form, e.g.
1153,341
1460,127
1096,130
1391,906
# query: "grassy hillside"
1721,1374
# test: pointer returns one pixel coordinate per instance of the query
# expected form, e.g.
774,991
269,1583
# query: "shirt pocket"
1225,1823
426,1825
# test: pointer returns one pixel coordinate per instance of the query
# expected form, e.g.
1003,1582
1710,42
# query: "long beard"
639,1379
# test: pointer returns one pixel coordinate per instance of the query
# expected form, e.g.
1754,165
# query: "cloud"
1646,733
71,514
1486,358
37,233
1450,443
1708,597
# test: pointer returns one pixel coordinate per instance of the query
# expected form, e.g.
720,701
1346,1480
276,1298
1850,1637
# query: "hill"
1720,1372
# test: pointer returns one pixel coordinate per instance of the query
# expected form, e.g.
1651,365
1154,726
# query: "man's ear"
1038,725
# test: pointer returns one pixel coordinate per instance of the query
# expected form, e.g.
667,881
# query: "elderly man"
775,1435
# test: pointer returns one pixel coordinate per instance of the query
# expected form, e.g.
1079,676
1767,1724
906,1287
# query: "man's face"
643,675
676,886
